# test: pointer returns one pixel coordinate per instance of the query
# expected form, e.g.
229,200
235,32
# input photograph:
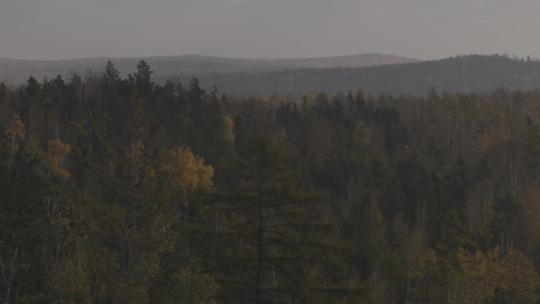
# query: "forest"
125,190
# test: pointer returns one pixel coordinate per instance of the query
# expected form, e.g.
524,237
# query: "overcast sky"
56,29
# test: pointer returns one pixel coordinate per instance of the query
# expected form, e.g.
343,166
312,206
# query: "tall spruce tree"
268,235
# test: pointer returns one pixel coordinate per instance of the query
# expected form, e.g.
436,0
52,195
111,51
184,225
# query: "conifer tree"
267,230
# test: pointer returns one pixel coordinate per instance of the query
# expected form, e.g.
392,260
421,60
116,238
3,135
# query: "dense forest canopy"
120,190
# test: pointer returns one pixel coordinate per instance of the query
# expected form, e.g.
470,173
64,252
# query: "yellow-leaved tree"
57,152
15,131
478,285
517,278
186,172
228,135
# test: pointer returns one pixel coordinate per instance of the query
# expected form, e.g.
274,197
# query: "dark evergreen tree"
269,233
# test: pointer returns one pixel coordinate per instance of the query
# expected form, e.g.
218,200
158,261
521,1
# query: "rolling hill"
17,71
373,73
463,74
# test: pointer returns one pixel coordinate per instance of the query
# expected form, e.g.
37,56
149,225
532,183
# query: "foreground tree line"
119,190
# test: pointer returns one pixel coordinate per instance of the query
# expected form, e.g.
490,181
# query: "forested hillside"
120,190
464,74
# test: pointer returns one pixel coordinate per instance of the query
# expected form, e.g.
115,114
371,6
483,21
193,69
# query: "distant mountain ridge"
372,73
17,71
462,74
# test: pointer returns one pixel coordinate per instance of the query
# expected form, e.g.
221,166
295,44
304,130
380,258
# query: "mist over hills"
16,71
463,74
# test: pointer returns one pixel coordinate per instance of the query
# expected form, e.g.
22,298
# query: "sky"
423,29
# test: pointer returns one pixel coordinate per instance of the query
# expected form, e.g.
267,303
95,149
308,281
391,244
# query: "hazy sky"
53,29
